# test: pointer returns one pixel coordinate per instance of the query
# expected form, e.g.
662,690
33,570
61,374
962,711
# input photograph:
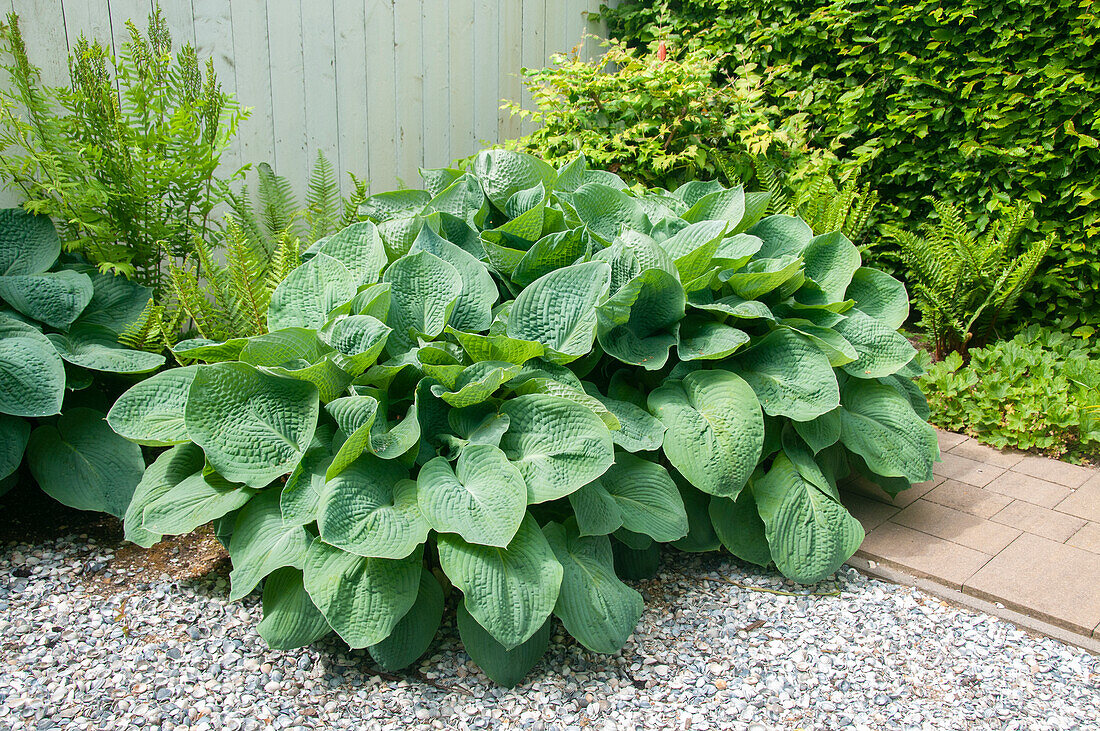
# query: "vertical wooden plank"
592,47
180,16
319,81
435,37
42,23
486,61
90,17
353,58
409,73
288,98
121,11
213,28
510,28
463,72
381,93
533,53
251,54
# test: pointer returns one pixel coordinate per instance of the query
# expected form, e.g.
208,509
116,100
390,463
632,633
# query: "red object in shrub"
662,52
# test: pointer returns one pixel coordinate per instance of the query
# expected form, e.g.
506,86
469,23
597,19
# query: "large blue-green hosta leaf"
262,543
309,293
635,324
559,310
253,426
810,534
424,290
55,298
170,468
503,173
879,424
509,591
152,411
557,444
483,499
790,376
359,248
503,665
28,243
32,375
14,433
473,308
594,605
82,463
412,635
714,429
96,348
291,619
362,599
370,509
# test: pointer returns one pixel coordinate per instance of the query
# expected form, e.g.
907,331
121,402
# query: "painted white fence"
382,87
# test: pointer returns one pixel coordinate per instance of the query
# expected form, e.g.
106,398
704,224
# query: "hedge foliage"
973,102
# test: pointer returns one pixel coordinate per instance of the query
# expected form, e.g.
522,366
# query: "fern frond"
767,177
249,298
324,206
278,206
351,203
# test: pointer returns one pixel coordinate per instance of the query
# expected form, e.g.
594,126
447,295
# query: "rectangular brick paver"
956,526
949,439
870,513
1039,577
1084,502
1029,489
1052,470
1039,521
1087,538
903,498
975,450
962,469
923,555
968,499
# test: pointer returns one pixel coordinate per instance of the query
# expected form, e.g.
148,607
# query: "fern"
324,206
965,285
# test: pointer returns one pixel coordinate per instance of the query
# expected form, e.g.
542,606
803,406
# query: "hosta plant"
516,384
59,351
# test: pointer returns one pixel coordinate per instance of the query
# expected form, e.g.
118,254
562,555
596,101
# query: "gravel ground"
85,646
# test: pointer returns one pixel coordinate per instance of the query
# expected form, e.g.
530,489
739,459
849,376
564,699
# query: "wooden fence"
382,87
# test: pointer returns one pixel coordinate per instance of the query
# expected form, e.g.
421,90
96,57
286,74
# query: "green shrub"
125,159
965,101
655,122
966,286
1040,390
525,380
60,364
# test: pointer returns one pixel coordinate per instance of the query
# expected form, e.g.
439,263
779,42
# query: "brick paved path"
1001,526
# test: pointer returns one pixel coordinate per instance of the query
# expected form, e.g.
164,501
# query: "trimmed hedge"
974,102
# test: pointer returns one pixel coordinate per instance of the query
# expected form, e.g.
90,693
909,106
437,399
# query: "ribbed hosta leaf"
509,591
359,248
252,426
722,205
879,424
370,509
503,665
714,429
362,599
116,302
557,444
738,525
477,383
700,536
782,235
424,289
648,500
635,324
497,347
702,339
14,433
366,431
28,242
55,298
169,469
882,350
309,293
301,494
810,534
329,378
597,512
559,309
96,348
291,619
594,605
210,351
483,499
831,260
32,375
880,296
192,502
790,376
262,543
82,463
762,276
290,346
152,411
412,635
473,308
504,173
639,431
